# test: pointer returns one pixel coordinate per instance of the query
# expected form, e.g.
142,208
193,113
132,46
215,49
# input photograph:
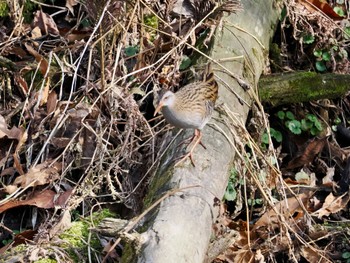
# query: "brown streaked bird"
191,107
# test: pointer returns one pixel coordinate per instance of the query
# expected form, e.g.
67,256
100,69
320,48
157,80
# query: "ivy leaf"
131,51
314,131
294,126
290,115
308,39
230,193
318,125
281,115
306,125
278,136
320,66
185,63
265,138
326,56
318,53
311,117
347,32
339,11
346,255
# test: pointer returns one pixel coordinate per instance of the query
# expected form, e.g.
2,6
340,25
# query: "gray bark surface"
179,229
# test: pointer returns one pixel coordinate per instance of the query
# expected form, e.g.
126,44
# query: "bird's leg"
191,139
196,140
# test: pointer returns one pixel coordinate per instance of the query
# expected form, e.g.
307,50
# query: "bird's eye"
166,97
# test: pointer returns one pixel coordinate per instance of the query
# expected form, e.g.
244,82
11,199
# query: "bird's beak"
160,105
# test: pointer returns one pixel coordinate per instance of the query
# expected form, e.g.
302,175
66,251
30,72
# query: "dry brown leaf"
313,255
270,220
10,189
239,252
51,102
316,5
333,204
36,32
45,92
328,179
22,83
45,22
42,199
307,156
14,133
23,237
40,174
43,64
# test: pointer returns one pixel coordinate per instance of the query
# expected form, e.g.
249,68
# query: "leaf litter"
77,83
76,134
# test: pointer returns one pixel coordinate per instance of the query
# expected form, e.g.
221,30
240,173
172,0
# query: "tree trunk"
179,229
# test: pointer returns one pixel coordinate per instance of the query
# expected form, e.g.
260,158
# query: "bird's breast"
182,119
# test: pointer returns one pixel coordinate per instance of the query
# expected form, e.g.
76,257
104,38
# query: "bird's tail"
209,79
208,75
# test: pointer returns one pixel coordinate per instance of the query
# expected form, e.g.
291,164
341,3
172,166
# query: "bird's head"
166,100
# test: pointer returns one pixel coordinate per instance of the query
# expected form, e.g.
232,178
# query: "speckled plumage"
191,106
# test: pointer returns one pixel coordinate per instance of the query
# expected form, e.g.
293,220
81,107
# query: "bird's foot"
190,140
195,140
184,157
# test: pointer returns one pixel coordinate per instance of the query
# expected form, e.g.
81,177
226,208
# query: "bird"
191,107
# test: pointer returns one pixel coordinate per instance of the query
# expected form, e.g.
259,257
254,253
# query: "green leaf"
86,22
347,32
233,175
339,11
318,125
281,115
131,51
290,115
283,13
259,201
230,193
294,126
314,131
318,53
320,66
311,117
265,138
326,56
337,121
278,136
308,39
346,255
306,125
185,63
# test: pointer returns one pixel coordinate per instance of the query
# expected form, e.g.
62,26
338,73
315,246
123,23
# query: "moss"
28,9
46,260
129,253
151,21
4,8
97,217
78,238
157,186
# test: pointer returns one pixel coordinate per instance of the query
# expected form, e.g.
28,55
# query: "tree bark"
179,229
